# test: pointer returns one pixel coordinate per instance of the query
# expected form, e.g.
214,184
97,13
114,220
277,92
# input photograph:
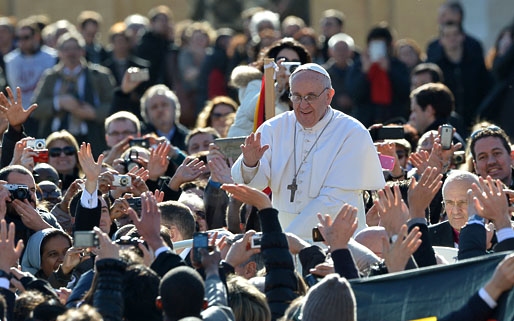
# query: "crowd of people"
111,172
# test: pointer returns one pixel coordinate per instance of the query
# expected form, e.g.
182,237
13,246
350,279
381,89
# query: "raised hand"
90,168
106,248
149,224
337,233
490,201
421,193
9,251
397,255
240,251
190,170
220,172
248,195
158,162
252,149
13,108
392,209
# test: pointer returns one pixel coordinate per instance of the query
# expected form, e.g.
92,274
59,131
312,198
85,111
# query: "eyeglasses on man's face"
310,98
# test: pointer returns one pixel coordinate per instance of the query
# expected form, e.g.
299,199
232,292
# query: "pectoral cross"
293,187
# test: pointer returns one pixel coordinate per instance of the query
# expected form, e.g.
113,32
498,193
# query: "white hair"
341,37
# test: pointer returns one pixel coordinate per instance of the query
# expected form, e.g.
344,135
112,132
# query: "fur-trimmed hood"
242,75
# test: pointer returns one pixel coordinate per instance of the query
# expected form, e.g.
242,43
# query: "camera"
122,180
291,66
200,241
135,203
37,144
256,241
459,157
41,157
142,142
18,192
85,239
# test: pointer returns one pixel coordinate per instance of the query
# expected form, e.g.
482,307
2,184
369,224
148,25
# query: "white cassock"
342,164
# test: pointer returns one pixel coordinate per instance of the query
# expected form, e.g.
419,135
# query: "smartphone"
139,74
256,241
377,49
446,136
230,147
85,239
316,235
387,162
200,241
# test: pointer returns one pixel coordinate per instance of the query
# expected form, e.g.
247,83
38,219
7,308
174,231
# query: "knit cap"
332,299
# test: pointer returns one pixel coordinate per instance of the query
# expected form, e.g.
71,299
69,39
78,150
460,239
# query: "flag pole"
269,88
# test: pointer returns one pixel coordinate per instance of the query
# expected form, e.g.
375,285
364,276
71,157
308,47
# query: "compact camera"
459,157
135,203
18,192
291,66
316,235
122,180
41,157
37,144
85,239
256,241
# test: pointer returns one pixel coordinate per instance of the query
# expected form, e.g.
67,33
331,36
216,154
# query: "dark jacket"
281,284
441,234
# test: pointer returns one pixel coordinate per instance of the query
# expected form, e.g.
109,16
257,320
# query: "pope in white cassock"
313,158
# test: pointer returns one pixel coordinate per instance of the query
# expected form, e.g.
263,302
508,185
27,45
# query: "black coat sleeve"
475,309
472,241
9,140
108,297
165,262
281,284
424,255
344,264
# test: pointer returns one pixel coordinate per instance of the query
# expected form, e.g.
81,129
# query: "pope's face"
307,83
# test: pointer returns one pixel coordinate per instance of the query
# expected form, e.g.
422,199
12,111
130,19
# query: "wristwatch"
5,275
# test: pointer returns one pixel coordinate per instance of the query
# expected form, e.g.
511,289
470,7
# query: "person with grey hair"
160,109
74,95
341,51
281,155
455,205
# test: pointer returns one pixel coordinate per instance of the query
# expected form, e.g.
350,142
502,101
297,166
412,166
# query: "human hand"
158,162
19,147
138,185
447,154
72,190
392,209
127,84
421,193
117,150
490,202
419,160
27,158
90,168
214,152
337,233
296,243
5,196
323,269
29,215
72,258
149,223
107,249
13,108
120,207
9,252
389,149
248,195
397,255
372,216
220,172
240,251
502,279
105,180
282,75
189,170
252,149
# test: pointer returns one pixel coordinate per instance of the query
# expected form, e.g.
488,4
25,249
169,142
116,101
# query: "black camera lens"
20,194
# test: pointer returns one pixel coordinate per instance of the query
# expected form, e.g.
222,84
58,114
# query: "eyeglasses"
449,205
221,115
310,98
57,151
492,128
123,133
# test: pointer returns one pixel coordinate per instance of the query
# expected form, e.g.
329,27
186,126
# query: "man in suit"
74,95
455,203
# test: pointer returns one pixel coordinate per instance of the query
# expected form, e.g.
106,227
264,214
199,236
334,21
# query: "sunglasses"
56,151
491,128
221,115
